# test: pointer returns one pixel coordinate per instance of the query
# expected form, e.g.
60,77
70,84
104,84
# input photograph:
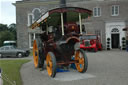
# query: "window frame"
114,10
34,11
96,11
31,39
30,14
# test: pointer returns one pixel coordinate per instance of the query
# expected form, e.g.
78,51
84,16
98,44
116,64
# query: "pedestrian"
0,72
1,77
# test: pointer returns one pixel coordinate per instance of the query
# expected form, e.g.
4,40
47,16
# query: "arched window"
115,30
30,19
36,12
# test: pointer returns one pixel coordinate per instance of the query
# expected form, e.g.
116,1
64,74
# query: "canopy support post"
34,36
62,23
80,23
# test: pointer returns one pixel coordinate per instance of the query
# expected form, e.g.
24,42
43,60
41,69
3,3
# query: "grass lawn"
12,69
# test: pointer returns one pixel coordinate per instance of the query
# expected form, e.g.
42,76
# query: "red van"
90,42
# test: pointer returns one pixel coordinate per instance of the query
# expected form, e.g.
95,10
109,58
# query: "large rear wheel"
51,64
38,55
82,63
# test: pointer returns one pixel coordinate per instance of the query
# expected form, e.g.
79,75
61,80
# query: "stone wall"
22,33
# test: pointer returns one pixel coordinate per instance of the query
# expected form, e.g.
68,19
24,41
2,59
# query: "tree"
6,35
7,32
3,27
12,28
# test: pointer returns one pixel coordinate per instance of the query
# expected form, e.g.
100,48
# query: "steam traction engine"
59,41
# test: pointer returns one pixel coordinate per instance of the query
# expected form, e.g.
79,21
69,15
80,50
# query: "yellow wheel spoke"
80,58
78,66
49,64
81,61
77,54
35,53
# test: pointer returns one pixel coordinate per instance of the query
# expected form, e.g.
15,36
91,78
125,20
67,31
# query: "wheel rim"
80,58
49,64
35,54
19,55
0,55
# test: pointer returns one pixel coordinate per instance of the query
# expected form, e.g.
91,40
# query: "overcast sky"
7,11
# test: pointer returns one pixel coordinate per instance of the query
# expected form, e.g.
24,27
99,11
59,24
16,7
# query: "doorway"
115,40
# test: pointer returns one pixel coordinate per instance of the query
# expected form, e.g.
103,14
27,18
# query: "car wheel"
27,53
0,55
19,55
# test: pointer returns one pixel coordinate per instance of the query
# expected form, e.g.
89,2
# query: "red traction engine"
90,42
59,42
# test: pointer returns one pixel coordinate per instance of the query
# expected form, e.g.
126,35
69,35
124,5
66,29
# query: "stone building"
108,20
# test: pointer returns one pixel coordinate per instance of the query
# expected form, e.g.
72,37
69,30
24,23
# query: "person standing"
1,82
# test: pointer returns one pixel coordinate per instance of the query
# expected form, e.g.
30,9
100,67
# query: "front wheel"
51,64
82,63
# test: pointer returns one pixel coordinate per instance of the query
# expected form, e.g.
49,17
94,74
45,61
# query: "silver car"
10,51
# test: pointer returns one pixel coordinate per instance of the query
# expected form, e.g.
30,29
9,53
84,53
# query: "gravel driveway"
105,68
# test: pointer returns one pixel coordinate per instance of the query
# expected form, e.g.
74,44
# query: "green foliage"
12,69
12,29
3,27
7,32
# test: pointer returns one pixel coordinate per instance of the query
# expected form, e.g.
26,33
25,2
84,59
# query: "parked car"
9,43
11,51
90,42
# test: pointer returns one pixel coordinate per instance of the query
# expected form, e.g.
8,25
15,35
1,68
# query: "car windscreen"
88,37
9,44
